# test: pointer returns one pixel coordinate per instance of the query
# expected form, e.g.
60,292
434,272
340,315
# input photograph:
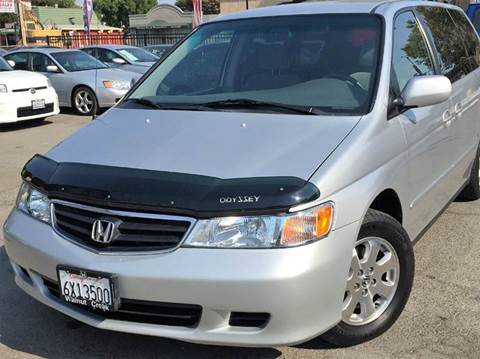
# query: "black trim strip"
166,192
30,88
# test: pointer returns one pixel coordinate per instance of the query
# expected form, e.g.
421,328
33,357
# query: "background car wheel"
472,191
84,101
379,281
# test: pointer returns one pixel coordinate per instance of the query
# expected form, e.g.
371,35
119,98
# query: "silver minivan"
263,184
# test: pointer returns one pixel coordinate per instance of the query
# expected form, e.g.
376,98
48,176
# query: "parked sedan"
128,58
81,81
25,95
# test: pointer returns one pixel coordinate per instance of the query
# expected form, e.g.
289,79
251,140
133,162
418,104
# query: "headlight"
3,88
263,231
117,85
34,203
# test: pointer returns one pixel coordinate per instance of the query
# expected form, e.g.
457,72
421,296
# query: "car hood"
22,79
218,144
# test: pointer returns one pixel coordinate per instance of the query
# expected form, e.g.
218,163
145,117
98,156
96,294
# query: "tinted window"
469,36
448,41
20,59
91,52
476,18
107,56
328,62
4,66
410,53
40,62
77,61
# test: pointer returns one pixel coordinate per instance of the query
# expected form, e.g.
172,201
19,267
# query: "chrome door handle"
458,108
447,118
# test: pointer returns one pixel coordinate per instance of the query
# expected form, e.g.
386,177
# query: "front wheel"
379,281
84,101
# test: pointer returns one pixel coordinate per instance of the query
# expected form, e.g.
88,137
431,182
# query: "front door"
428,130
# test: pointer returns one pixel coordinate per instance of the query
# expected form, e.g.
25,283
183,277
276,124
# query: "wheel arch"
388,202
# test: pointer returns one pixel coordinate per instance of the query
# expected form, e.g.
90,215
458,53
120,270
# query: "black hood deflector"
166,192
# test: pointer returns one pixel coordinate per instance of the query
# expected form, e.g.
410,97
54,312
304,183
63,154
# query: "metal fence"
75,41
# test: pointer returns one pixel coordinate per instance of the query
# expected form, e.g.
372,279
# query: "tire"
472,190
395,251
84,101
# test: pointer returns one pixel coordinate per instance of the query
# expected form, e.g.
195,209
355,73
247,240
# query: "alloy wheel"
372,281
84,101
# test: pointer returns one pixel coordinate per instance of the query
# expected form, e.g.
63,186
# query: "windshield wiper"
248,103
158,106
145,102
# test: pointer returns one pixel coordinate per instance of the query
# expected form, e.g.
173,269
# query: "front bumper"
302,288
109,97
10,102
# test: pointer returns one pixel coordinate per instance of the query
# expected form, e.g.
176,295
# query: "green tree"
208,6
60,3
5,17
115,12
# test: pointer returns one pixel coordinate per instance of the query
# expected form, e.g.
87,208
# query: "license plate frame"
38,104
89,276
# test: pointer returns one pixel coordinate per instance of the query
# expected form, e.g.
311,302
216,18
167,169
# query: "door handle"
458,109
447,118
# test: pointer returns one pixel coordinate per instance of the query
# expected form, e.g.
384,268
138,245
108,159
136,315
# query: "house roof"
66,18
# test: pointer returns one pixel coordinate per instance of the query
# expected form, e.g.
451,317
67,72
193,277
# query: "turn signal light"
307,226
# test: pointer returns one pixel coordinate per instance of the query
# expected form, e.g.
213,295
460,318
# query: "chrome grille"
136,232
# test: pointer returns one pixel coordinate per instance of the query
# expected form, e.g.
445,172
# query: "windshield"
137,55
322,62
4,66
77,61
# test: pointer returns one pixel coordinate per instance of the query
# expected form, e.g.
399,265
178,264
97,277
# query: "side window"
470,38
476,18
91,52
20,59
410,53
448,42
106,55
40,62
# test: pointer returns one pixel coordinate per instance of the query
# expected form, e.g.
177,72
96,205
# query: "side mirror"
11,63
119,61
423,91
52,68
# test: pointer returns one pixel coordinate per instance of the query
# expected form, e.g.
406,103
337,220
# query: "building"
67,21
168,21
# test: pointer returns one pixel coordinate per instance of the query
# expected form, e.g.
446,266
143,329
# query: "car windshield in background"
326,63
73,61
158,50
137,55
4,66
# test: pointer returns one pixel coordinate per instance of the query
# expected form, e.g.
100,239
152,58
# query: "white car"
25,95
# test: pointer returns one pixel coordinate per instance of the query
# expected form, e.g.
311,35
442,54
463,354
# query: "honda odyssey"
264,183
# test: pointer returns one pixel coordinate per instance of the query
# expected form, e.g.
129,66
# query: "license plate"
88,289
38,104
